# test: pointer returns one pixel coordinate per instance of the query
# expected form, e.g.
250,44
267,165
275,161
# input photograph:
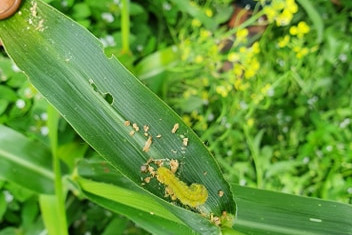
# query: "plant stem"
125,27
53,118
255,156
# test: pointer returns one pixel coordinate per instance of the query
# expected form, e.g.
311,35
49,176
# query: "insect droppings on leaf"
33,9
215,219
144,168
147,144
174,165
175,128
185,141
147,179
151,171
135,127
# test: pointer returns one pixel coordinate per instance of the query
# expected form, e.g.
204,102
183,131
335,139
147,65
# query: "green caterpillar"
193,196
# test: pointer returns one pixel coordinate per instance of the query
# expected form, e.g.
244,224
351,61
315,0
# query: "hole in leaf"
108,97
95,88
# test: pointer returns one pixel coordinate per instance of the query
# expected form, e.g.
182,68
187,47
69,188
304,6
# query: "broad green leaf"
116,226
148,220
25,162
117,193
7,93
3,105
97,95
265,212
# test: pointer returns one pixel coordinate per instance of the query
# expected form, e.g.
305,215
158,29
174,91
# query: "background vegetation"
274,108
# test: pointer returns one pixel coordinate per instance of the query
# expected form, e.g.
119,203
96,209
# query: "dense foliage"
273,107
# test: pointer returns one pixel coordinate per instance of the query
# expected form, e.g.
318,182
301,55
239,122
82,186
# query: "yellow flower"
199,59
278,5
221,90
284,18
284,41
233,57
252,68
237,70
239,85
281,11
293,30
195,115
203,126
250,122
270,13
209,12
300,52
213,50
204,34
243,50
255,48
303,27
205,95
241,35
249,73
187,119
299,30
196,23
291,6
189,93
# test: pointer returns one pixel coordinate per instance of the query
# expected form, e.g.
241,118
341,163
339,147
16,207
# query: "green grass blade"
25,162
265,212
125,26
97,95
53,123
50,211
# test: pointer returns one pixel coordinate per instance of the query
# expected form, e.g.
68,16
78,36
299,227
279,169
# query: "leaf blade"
22,159
261,211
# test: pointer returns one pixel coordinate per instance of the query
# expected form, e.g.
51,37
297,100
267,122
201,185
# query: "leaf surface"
25,162
266,212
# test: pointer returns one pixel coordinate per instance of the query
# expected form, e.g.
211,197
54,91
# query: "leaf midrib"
26,164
